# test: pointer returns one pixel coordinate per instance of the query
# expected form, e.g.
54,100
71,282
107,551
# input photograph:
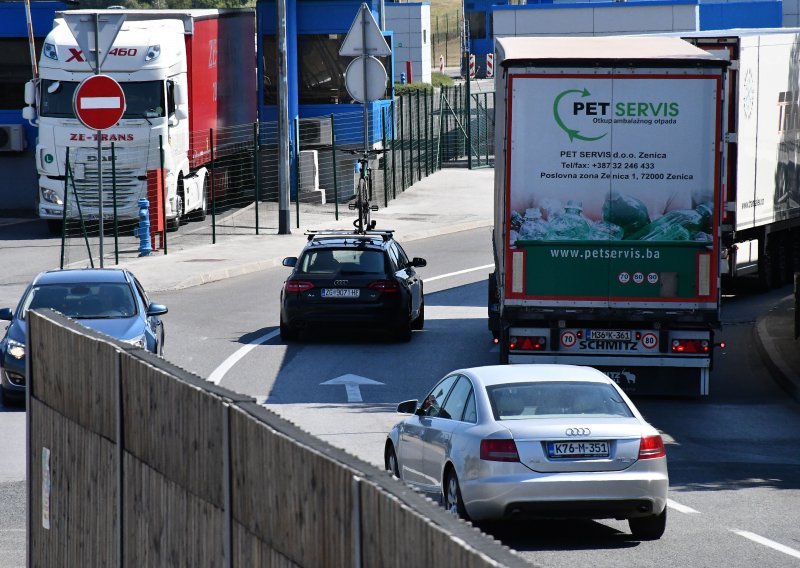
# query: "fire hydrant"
143,230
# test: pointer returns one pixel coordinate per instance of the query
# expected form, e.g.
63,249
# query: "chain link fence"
233,188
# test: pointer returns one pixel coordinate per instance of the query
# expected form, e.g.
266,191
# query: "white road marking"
767,542
455,312
216,376
352,384
457,273
100,102
681,508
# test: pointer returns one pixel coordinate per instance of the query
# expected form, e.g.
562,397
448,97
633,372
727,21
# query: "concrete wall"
411,24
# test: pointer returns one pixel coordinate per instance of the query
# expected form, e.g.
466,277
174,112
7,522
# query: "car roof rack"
385,234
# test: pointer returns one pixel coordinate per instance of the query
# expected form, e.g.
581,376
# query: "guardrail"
133,461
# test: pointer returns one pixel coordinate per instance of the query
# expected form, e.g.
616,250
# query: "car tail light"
385,286
651,447
499,450
298,285
690,346
525,343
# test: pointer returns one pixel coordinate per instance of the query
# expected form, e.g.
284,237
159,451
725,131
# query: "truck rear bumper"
639,375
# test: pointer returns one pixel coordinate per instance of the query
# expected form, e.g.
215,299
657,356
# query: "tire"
403,332
390,461
649,528
55,227
504,347
419,322
288,333
202,213
175,224
451,496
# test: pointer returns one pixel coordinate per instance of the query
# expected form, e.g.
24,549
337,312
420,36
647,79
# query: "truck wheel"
504,346
175,223
766,270
200,214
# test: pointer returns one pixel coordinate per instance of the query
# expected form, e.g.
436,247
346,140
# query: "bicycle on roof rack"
361,200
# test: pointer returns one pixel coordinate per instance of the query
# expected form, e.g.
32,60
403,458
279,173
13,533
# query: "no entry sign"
99,102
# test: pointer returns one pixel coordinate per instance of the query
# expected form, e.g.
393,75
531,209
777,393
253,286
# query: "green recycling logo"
574,134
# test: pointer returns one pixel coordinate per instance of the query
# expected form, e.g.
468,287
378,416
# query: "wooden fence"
133,461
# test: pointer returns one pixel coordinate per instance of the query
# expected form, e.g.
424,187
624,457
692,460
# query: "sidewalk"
448,201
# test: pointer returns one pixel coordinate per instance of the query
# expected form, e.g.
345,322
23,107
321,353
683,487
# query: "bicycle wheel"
362,206
365,208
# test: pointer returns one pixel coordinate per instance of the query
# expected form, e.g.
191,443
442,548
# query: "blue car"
108,300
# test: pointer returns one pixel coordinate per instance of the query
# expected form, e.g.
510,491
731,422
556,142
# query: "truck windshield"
143,99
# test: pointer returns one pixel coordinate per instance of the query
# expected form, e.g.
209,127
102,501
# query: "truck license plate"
577,449
612,334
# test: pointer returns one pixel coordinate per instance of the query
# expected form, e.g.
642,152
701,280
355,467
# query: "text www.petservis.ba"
604,253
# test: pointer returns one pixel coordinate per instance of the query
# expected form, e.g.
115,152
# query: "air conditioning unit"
315,131
12,138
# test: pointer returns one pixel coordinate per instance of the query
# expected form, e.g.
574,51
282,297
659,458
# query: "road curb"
781,372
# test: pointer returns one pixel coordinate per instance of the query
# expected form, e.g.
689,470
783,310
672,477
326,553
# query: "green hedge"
437,80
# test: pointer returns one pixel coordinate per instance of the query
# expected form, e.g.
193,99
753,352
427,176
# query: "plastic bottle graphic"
678,225
533,228
605,231
571,226
516,220
625,211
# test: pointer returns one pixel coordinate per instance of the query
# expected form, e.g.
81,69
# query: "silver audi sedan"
533,441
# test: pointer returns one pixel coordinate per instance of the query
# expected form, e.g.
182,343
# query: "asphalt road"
734,457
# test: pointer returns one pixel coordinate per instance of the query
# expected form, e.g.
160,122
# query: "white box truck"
761,161
607,207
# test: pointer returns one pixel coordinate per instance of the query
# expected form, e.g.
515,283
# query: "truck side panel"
618,183
222,90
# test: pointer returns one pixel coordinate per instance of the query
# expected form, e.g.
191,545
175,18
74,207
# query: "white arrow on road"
353,385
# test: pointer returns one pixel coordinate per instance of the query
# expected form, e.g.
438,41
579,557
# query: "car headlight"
140,341
16,349
52,196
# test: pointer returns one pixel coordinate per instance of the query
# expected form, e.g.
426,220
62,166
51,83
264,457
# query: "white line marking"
767,542
681,508
100,102
484,267
216,376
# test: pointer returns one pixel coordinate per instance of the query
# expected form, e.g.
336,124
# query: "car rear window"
515,401
350,261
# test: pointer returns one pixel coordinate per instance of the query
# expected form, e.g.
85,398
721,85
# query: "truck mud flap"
663,381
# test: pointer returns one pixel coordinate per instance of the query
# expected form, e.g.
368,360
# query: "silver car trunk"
533,437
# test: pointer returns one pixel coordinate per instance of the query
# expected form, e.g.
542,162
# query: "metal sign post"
93,32
365,43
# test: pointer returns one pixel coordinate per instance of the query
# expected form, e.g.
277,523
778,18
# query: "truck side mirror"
181,113
181,98
30,93
29,113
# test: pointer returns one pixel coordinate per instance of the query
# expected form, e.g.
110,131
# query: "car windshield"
83,301
143,99
515,401
349,261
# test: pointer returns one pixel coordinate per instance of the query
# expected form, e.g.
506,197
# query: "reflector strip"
100,102
517,272
703,274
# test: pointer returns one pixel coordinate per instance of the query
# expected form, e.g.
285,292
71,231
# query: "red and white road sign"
489,65
99,102
471,65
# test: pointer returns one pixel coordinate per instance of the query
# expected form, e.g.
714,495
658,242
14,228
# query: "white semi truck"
185,74
761,159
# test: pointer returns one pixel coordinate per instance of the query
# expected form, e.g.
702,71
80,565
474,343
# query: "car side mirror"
289,261
418,262
156,310
6,314
407,406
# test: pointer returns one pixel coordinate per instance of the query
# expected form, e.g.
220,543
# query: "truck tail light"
525,343
385,286
499,450
691,346
298,285
651,447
